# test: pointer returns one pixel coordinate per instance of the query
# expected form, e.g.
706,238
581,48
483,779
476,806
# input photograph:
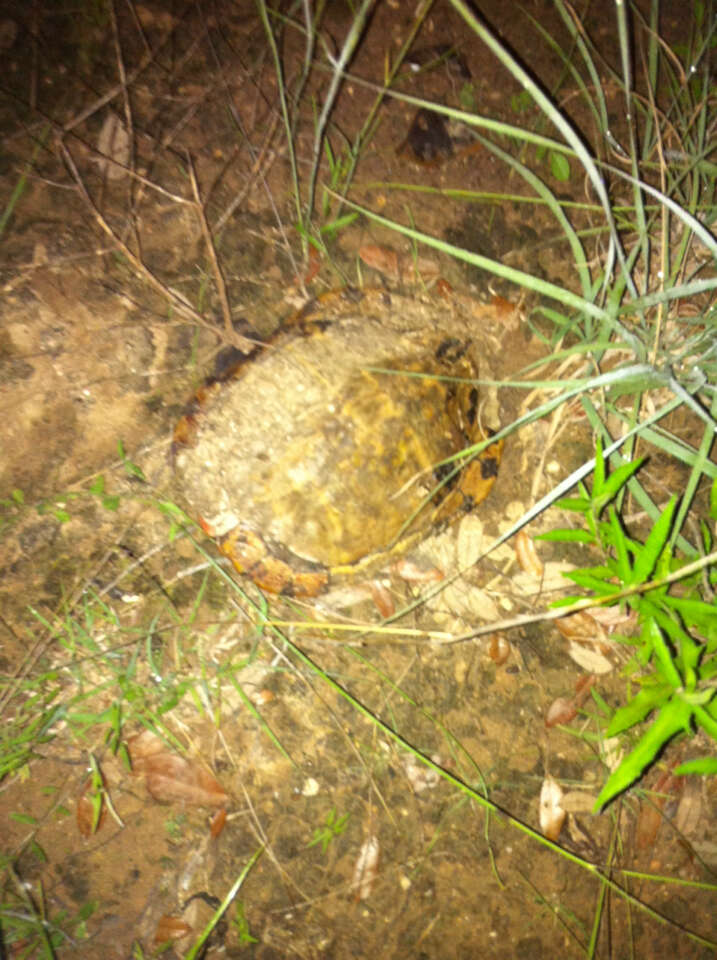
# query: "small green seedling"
333,827
241,925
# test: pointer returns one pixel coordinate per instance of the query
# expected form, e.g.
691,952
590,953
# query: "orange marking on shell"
382,598
443,288
408,569
250,555
206,527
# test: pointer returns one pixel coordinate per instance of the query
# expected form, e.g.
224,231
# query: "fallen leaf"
560,711
169,777
217,823
591,660
611,753
314,265
552,814
499,648
583,687
647,825
397,267
145,744
382,259
690,809
170,929
527,555
651,814
366,869
506,312
582,628
613,618
588,643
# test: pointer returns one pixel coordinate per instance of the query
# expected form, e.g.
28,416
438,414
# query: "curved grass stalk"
562,124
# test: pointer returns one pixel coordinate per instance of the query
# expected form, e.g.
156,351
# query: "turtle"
339,442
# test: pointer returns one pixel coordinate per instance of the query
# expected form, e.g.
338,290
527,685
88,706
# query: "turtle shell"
339,441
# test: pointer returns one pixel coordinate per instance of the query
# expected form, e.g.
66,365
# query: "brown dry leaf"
613,618
366,869
396,267
552,579
170,929
216,824
582,628
589,659
468,602
499,648
583,687
382,259
560,711
651,815
170,778
314,265
527,555
588,643
552,814
418,269
144,745
647,826
691,807
505,311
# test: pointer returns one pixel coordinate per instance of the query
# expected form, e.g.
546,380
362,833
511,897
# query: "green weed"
673,662
241,925
333,827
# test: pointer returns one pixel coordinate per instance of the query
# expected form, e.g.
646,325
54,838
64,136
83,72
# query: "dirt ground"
112,315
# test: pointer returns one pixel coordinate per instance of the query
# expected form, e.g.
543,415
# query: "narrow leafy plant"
673,665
